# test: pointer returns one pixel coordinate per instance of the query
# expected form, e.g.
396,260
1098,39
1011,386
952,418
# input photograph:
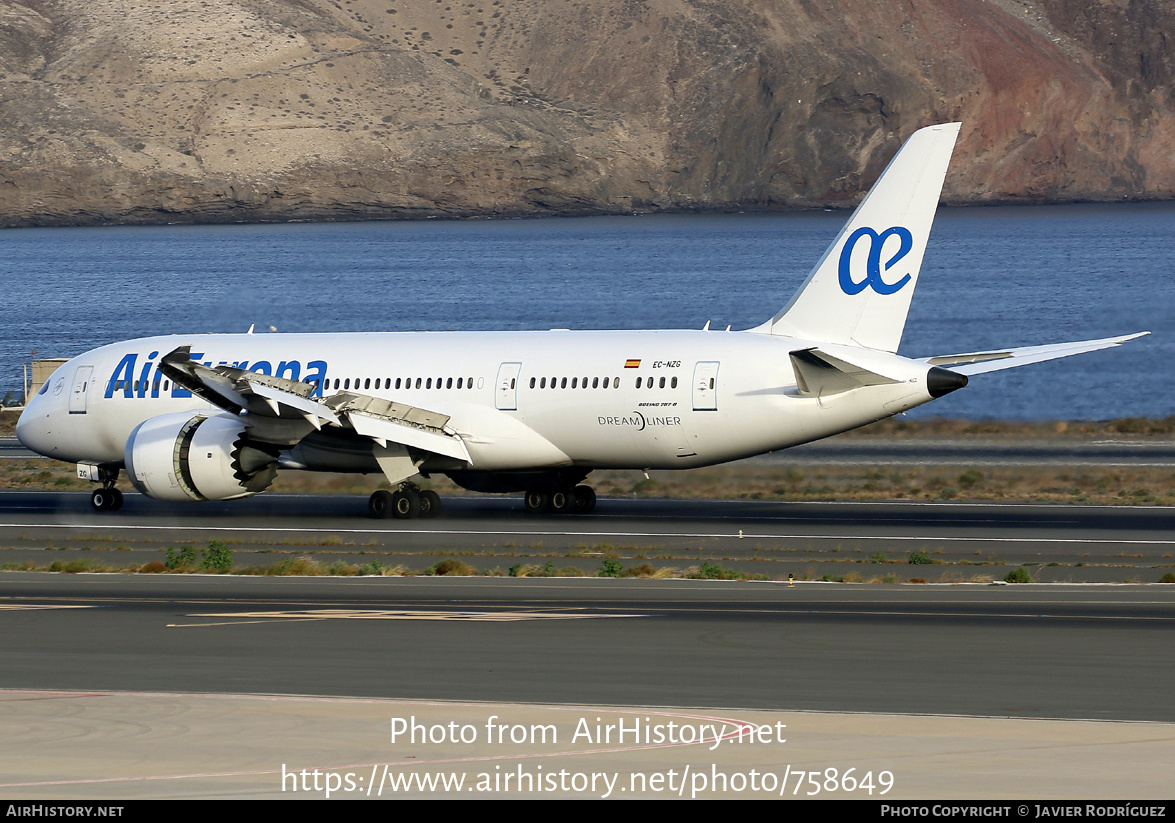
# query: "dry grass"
1042,484
1038,484
1120,428
759,481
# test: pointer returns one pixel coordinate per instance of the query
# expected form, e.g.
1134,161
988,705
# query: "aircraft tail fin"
859,292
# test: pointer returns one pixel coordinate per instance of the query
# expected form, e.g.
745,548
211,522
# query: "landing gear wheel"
106,500
536,501
562,501
406,504
430,504
379,505
585,499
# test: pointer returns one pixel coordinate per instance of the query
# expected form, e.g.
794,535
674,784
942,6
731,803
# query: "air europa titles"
639,422
131,381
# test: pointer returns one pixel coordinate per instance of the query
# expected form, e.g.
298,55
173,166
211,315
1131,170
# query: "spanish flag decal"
632,364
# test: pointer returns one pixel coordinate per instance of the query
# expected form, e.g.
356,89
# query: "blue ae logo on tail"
873,263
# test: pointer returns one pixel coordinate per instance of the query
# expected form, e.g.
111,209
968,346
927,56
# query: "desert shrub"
217,558
180,559
643,570
452,567
970,479
373,568
303,565
609,568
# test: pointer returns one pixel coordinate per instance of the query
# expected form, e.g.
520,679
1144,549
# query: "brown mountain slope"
145,111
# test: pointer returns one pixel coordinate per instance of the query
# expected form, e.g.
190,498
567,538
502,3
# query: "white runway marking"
613,534
391,614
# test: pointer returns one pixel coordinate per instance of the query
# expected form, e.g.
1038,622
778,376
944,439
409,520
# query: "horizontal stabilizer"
988,361
819,374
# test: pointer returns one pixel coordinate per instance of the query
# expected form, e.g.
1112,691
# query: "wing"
271,400
987,361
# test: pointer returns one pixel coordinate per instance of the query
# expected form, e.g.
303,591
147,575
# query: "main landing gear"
578,500
107,498
405,503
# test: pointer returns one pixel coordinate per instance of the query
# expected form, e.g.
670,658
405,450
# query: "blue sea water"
992,277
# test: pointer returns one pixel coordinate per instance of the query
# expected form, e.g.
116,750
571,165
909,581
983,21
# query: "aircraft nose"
940,381
32,428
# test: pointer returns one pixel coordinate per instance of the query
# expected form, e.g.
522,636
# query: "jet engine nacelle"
186,456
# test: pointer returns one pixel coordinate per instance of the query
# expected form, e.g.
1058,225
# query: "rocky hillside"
227,110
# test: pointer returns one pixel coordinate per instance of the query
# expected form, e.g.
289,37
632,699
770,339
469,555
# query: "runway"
956,691
120,686
960,541
1024,651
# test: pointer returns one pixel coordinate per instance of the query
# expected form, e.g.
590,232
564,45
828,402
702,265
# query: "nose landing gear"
107,498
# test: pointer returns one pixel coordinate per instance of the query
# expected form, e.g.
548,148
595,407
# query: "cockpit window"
44,388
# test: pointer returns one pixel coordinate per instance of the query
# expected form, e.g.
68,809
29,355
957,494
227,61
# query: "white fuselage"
518,400
522,411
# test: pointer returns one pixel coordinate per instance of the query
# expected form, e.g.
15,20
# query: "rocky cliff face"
226,110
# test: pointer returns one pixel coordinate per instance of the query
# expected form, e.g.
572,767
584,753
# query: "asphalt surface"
1028,651
962,542
124,686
